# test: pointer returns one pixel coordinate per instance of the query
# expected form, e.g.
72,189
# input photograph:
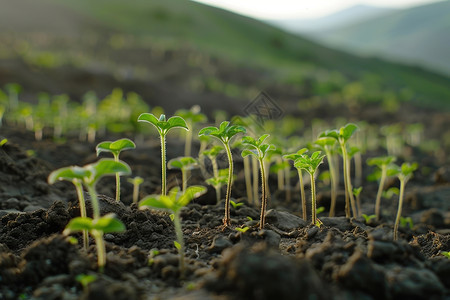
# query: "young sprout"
405,173
136,182
259,149
293,157
382,162
445,253
367,218
407,221
225,133
310,165
97,227
163,126
185,164
85,280
115,148
218,182
357,194
328,144
174,202
192,117
342,136
236,204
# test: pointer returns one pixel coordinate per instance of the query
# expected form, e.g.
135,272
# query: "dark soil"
289,259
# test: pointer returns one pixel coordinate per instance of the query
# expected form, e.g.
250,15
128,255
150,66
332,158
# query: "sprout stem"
227,219
302,194
79,188
179,234
399,211
163,164
248,178
380,191
313,200
94,201
263,194
101,250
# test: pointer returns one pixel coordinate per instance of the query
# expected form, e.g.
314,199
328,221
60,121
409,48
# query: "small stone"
219,244
284,221
271,238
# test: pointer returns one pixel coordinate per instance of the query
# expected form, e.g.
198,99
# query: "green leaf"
177,245
330,133
325,142
68,173
191,193
136,180
149,118
85,280
106,167
154,202
357,191
108,223
347,131
247,152
175,163
208,131
243,230
177,121
294,156
380,161
79,224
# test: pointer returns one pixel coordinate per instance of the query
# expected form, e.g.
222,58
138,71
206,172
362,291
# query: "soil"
289,259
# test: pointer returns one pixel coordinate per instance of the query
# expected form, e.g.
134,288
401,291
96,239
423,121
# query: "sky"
307,9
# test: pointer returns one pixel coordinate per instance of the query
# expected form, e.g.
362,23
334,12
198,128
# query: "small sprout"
367,218
310,165
320,210
446,254
136,182
236,205
342,136
185,164
243,230
85,280
174,202
404,222
357,194
387,194
328,145
225,133
72,240
3,142
212,155
249,218
405,173
115,148
97,228
294,156
383,164
259,149
163,126
151,256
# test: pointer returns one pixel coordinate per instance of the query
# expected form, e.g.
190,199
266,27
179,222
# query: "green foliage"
381,161
357,191
162,125
224,133
259,149
115,147
367,218
445,253
309,163
390,192
85,279
242,230
183,163
105,224
236,204
3,142
406,222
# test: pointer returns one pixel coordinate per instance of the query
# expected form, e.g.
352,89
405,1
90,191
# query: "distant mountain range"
339,19
417,36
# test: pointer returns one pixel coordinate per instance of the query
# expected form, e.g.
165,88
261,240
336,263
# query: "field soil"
289,259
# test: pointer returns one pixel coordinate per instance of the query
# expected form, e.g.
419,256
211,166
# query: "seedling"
115,148
407,221
225,133
367,218
192,117
259,149
163,126
405,173
242,230
97,227
85,280
294,156
136,182
89,175
310,165
446,254
218,182
342,136
174,202
236,204
383,163
357,194
328,144
185,164
3,142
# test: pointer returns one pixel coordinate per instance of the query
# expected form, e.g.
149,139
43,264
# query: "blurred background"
322,65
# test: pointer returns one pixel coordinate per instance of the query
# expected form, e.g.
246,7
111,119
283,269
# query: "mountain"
341,18
419,36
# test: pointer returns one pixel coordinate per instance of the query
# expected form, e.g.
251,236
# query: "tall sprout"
328,145
163,126
225,133
293,157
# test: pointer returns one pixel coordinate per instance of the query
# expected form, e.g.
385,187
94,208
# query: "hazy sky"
265,9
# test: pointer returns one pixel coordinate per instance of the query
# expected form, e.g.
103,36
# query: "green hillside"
419,35
243,39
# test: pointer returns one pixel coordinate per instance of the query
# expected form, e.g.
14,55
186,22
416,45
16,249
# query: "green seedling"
163,126
225,133
115,148
136,182
405,173
367,218
97,227
390,192
242,230
85,280
328,145
342,136
236,204
192,117
293,157
174,202
446,254
406,222
88,176
185,164
212,155
357,194
13,90
3,142
320,210
259,149
383,163
310,165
